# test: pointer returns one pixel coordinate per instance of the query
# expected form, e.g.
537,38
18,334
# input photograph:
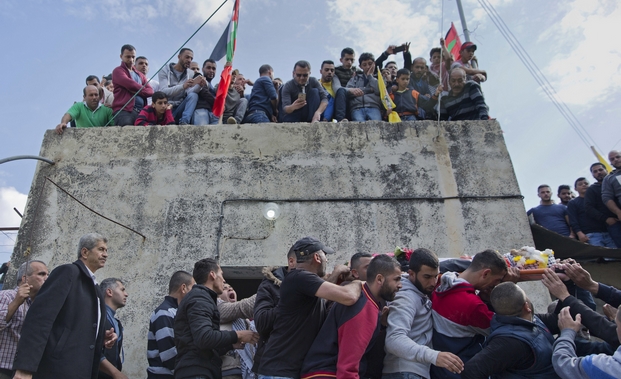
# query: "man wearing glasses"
303,98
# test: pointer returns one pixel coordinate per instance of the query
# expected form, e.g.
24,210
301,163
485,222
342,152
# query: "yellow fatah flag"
386,100
602,160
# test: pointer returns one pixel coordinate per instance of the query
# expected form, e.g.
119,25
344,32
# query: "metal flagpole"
463,21
465,28
441,61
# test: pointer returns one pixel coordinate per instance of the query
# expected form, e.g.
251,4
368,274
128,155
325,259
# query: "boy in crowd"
407,100
158,113
363,93
346,70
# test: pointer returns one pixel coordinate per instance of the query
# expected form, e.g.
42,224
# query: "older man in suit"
63,334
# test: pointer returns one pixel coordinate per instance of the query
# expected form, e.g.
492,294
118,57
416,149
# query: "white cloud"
372,26
586,68
136,12
11,198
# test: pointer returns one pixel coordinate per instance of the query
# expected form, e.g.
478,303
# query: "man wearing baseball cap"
465,62
302,310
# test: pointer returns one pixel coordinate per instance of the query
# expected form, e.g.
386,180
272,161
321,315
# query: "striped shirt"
161,350
467,105
10,331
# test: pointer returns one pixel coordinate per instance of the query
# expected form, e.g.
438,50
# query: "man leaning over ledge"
90,112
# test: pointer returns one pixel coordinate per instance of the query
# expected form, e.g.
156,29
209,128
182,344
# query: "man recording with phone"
303,98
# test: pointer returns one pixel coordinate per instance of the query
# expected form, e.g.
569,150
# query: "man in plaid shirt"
14,304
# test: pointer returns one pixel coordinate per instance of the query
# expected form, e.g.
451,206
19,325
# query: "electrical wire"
536,73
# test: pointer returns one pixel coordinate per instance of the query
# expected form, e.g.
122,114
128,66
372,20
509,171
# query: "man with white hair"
14,305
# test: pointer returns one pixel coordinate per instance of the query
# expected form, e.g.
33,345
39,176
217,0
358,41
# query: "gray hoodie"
408,337
371,97
172,85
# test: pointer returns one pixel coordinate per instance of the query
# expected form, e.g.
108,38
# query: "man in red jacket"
127,82
341,349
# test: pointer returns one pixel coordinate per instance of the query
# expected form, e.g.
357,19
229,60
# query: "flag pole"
462,17
463,21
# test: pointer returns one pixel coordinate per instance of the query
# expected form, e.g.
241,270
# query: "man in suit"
63,334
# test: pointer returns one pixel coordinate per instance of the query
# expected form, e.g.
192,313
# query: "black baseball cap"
308,245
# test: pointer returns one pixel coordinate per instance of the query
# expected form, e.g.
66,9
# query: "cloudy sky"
50,47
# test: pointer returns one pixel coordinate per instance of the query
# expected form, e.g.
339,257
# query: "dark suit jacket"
58,338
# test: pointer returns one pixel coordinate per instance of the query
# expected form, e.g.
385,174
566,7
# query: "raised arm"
239,309
346,295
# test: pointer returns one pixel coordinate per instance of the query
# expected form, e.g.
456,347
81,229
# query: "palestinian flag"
452,42
225,46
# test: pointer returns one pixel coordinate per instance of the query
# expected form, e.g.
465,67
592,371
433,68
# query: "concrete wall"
171,183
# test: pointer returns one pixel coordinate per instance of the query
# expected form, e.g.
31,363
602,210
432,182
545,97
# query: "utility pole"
463,21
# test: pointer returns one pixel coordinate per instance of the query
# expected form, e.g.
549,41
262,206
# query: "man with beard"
303,98
203,115
178,83
551,216
301,310
410,327
343,344
337,101
564,194
611,190
596,209
142,65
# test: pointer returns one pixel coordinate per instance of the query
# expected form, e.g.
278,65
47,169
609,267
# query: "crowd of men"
594,216
184,94
376,318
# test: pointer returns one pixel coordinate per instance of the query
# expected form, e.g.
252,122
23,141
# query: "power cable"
536,73
564,105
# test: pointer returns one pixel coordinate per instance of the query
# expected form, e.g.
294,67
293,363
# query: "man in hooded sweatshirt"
410,327
461,320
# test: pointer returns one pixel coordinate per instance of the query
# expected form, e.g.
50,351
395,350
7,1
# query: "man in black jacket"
198,338
268,295
596,209
63,334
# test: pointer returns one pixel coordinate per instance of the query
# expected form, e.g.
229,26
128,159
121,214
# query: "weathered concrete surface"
169,183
